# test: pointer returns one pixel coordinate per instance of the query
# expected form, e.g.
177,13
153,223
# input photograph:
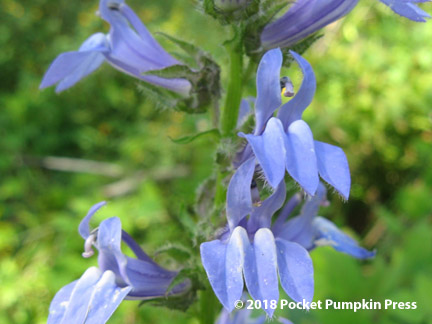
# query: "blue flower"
286,142
255,249
311,231
302,19
129,47
408,9
305,17
96,295
249,249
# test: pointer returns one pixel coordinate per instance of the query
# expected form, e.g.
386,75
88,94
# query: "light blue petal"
295,270
224,264
285,212
261,216
407,9
107,296
60,303
84,226
239,199
260,268
79,302
136,249
301,161
268,88
109,244
157,49
136,51
293,109
329,234
333,167
149,280
302,19
299,229
269,149
70,67
244,112
284,320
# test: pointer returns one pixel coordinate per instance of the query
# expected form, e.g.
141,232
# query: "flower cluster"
96,295
264,243
305,17
286,141
129,47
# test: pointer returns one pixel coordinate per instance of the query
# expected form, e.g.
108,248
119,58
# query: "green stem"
230,110
209,306
234,92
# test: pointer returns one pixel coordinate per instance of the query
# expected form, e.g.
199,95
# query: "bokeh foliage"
374,97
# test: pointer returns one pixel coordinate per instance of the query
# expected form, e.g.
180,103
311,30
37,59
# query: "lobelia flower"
95,296
311,231
129,47
305,17
249,249
286,142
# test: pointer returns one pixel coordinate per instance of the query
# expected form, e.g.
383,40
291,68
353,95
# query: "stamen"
287,88
88,244
113,6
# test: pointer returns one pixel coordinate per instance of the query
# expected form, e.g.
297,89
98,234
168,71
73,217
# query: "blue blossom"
96,295
311,231
250,250
408,9
305,17
129,47
286,142
255,249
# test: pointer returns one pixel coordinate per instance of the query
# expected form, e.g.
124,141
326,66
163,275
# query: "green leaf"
189,48
177,251
173,71
188,139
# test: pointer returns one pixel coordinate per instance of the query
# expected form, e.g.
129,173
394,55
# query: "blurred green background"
374,97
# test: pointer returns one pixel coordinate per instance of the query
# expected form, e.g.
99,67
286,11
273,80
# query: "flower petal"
293,109
295,270
285,212
260,268
262,215
302,19
109,244
60,303
407,9
268,88
299,229
80,298
149,280
269,149
157,49
245,111
224,264
333,167
327,233
136,249
84,226
239,199
106,297
70,67
301,161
